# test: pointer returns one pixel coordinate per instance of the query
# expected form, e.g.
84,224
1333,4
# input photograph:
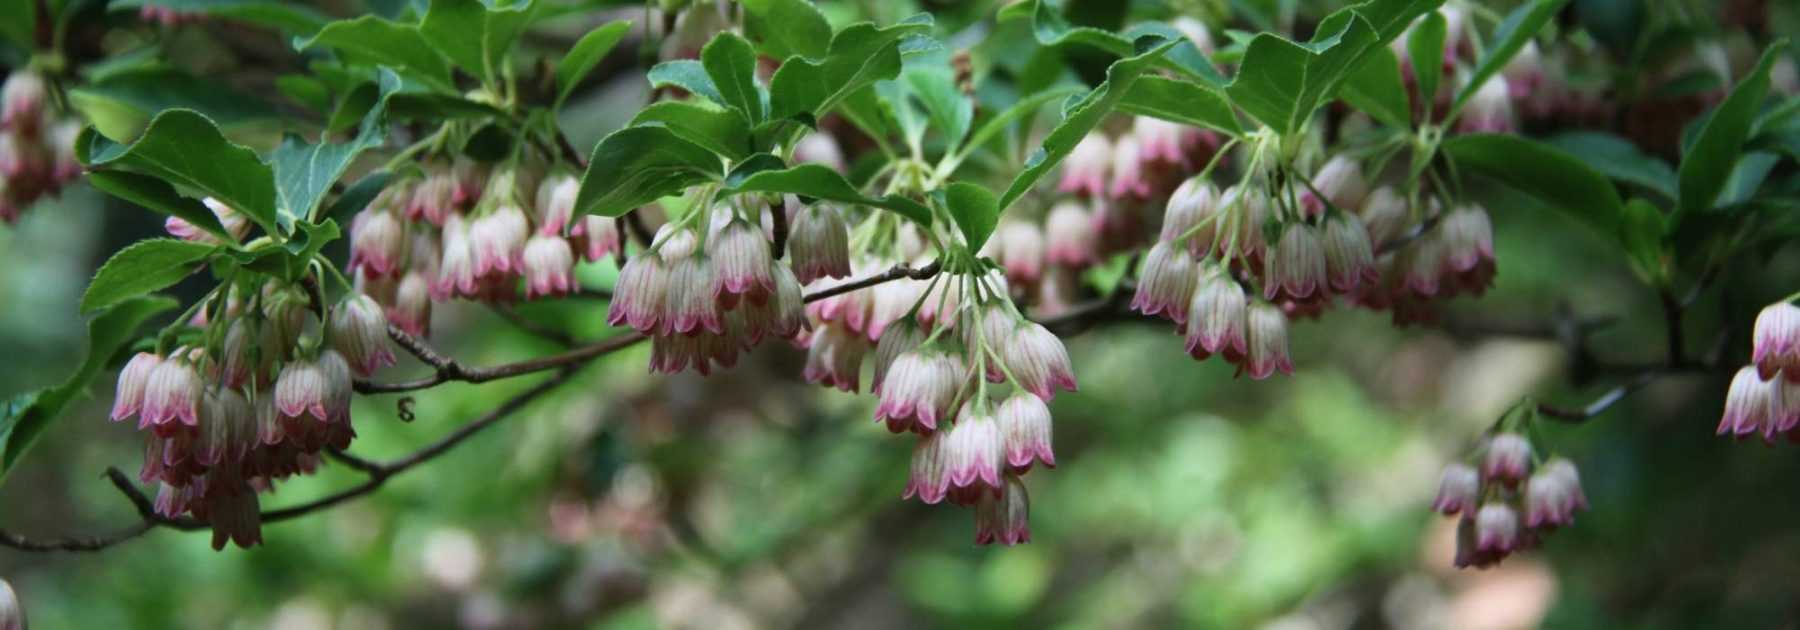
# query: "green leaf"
1390,18
720,130
950,112
292,17
975,211
1617,158
686,74
1024,107
1425,48
1558,179
1704,167
587,53
185,149
1376,88
359,195
1081,119
28,415
1180,101
1051,29
860,55
731,63
157,195
145,267
475,35
637,165
788,27
124,101
376,41
1641,234
1281,82
816,181
307,91
1747,177
1520,26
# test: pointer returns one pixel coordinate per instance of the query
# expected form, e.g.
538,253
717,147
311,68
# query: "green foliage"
975,211
587,53
1520,26
637,165
476,36
377,41
184,148
145,267
765,174
1705,167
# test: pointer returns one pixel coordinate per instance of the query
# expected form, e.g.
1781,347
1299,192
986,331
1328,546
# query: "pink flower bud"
918,390
1018,246
228,427
834,357
1217,318
1128,178
974,454
899,339
1752,404
498,241
820,244
412,305
1341,181
22,101
1085,170
1025,428
889,302
1247,209
171,393
1191,215
1196,32
1496,528
641,295
1166,284
1004,518
595,237
1295,268
377,242
1068,236
456,273
929,479
1776,341
1038,360
851,308
128,397
549,266
1164,144
434,199
236,517
1508,458
691,306
1458,490
819,148
1489,110
1385,214
359,333
673,242
556,203
238,356
1268,341
62,143
742,265
1550,496
1349,256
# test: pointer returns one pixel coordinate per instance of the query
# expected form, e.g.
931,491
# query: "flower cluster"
465,229
1510,502
1765,395
37,146
260,390
709,288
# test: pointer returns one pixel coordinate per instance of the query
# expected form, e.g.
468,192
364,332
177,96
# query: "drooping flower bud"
641,295
1496,528
929,479
172,393
1751,404
691,306
1295,268
134,378
377,242
834,355
595,237
974,454
918,390
1194,202
1508,458
1776,341
1004,518
1268,341
1385,214
1085,170
1217,318
1037,358
359,332
549,266
820,245
12,613
235,516
228,427
456,273
1025,428
1019,248
22,100
1341,181
1458,490
1068,238
1489,110
497,240
1166,144
819,147
556,203
902,337
742,264
1349,256
1248,209
1129,181
1166,285
412,305
890,302
1550,496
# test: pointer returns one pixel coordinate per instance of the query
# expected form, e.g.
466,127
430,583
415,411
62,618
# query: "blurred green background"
1184,497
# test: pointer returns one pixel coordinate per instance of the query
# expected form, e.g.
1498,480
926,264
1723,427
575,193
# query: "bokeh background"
1184,497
